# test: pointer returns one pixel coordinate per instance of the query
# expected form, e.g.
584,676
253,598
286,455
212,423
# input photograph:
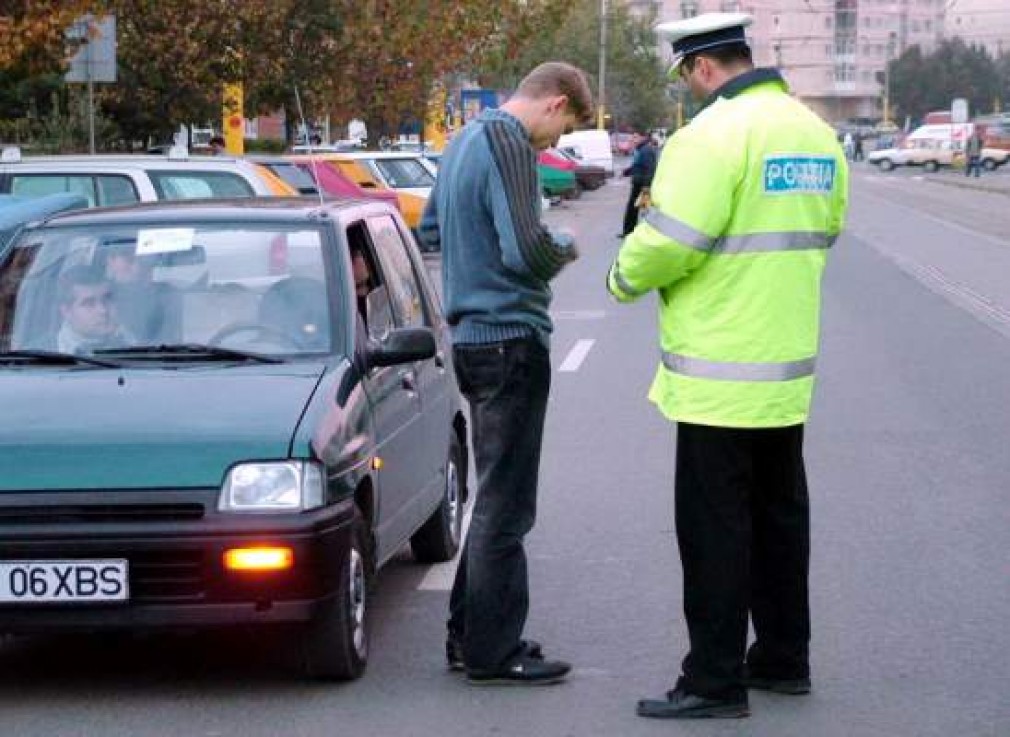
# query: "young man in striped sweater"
497,261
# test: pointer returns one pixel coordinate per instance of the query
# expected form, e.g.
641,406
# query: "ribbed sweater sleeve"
527,244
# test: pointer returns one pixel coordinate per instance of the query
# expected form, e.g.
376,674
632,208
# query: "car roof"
139,161
379,154
246,209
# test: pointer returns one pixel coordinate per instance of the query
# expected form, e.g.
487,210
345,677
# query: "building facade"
985,23
833,53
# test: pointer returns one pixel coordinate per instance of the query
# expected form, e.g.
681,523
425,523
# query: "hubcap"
356,602
452,499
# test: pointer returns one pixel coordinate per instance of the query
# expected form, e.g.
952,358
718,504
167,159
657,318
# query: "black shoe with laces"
521,670
679,704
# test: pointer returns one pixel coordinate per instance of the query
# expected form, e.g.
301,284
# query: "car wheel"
931,166
438,539
989,164
886,165
334,645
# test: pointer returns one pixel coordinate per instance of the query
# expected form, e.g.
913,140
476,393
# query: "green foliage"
265,146
635,88
921,83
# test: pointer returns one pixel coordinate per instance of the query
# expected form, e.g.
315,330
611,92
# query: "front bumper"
174,542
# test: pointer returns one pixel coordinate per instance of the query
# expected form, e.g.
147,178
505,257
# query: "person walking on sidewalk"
497,261
746,201
643,166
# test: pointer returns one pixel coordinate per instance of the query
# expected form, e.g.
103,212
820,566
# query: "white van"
592,146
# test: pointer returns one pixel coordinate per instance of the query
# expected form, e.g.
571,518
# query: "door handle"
408,381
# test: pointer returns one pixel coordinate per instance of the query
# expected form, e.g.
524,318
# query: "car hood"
146,428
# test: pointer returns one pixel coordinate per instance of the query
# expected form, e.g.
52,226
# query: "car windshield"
245,288
404,173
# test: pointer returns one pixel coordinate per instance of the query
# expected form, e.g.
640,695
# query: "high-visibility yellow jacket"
746,202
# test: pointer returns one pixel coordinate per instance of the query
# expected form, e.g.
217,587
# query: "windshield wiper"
188,350
57,359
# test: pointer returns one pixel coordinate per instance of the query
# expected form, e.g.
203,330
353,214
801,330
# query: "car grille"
163,576
105,513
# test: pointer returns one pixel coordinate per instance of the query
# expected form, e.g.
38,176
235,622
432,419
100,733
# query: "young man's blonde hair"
559,78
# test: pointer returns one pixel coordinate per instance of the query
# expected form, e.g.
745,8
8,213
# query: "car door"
411,308
395,401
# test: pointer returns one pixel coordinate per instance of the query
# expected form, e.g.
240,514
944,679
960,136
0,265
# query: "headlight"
272,487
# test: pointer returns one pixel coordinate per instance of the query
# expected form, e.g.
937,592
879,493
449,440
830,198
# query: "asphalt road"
910,474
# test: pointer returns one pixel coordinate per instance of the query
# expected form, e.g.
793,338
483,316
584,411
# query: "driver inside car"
89,319
149,310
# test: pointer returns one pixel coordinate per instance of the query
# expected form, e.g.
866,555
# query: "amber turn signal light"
258,559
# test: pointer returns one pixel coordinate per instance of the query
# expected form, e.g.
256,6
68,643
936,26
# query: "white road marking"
577,355
579,315
441,575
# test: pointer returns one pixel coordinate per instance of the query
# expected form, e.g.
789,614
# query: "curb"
948,182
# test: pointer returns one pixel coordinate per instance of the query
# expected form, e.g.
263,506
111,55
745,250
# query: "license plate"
45,581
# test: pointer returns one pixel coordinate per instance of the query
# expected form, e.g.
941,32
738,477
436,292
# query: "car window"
192,185
36,185
256,288
116,190
298,178
404,291
402,173
371,292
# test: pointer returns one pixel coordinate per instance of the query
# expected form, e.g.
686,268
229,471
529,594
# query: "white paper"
164,240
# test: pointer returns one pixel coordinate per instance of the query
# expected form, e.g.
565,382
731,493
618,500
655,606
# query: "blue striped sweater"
484,214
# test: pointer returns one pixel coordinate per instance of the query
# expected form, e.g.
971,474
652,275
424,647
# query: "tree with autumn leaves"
374,59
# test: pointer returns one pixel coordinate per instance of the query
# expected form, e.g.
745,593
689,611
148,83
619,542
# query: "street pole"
91,89
601,106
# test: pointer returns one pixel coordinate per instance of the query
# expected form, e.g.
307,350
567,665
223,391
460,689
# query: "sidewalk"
996,181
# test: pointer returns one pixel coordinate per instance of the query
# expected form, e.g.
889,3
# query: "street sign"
959,111
95,60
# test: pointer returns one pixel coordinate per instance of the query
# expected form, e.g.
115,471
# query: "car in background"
124,179
557,182
334,183
16,212
587,176
591,146
406,174
255,468
929,153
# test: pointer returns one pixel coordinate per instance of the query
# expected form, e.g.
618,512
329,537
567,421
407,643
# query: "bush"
265,146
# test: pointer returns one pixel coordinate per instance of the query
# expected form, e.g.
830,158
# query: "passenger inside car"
89,316
148,309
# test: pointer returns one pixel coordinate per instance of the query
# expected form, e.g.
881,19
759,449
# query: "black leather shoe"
521,670
454,652
679,704
788,686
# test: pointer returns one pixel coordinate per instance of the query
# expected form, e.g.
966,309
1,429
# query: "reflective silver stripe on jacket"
623,285
678,230
699,368
767,242
684,234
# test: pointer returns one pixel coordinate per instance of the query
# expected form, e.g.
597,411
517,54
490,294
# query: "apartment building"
832,52
984,23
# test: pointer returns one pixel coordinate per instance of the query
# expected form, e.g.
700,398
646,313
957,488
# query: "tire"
438,539
334,645
886,165
989,164
930,166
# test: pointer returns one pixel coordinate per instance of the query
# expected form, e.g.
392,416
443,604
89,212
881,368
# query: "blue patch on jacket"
799,174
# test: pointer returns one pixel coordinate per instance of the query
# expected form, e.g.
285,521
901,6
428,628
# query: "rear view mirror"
192,257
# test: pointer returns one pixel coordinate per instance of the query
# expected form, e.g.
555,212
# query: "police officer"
746,201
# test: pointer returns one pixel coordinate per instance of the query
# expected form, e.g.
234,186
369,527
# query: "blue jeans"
506,385
974,164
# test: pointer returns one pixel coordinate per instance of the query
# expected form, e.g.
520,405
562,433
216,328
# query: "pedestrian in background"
973,154
643,166
497,261
746,201
857,147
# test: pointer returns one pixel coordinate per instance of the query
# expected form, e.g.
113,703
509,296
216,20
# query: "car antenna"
308,143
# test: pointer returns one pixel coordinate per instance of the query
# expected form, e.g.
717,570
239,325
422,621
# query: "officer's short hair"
730,55
559,78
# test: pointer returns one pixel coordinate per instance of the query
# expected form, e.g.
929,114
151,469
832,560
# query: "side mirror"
403,346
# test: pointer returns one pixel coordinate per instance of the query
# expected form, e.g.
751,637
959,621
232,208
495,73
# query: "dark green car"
222,414
557,182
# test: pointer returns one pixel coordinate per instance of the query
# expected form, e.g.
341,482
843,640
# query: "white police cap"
706,31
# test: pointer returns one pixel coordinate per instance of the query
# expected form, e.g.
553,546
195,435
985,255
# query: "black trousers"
630,211
743,529
507,385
